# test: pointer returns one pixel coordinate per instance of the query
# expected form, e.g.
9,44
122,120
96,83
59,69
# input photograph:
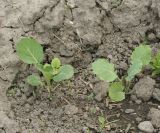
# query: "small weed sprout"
140,57
31,52
102,122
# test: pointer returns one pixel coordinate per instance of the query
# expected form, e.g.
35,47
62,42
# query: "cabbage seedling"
140,57
31,52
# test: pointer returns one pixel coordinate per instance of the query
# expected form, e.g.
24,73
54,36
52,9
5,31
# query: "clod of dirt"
146,126
65,52
154,115
70,110
156,94
7,124
144,88
100,90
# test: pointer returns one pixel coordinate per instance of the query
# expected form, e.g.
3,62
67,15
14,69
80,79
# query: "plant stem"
49,88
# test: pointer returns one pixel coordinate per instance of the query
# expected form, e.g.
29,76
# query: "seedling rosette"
31,52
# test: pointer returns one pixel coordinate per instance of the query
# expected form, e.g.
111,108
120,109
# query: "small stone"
100,90
138,119
154,115
71,3
156,94
129,111
146,126
138,101
71,109
144,88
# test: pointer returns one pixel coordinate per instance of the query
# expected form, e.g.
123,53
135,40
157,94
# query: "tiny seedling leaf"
134,69
104,70
34,80
56,63
142,53
101,119
66,72
116,92
29,51
48,71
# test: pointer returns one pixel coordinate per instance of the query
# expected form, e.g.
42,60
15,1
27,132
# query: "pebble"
144,88
138,119
129,111
146,126
138,101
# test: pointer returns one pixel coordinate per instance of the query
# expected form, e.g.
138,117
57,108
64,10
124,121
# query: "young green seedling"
102,122
31,52
140,57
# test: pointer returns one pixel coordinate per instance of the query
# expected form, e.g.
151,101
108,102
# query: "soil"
78,32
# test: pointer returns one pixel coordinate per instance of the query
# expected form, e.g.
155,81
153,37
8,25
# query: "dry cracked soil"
78,32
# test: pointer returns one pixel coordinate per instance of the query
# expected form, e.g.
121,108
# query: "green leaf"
104,70
39,67
29,51
142,53
134,69
34,80
56,63
116,92
66,72
101,119
48,71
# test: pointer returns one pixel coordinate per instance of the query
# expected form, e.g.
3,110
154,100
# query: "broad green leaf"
104,70
116,92
56,63
142,53
134,69
34,80
29,51
66,72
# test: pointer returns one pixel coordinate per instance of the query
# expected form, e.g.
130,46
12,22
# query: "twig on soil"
111,122
65,100
128,128
59,38
87,83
